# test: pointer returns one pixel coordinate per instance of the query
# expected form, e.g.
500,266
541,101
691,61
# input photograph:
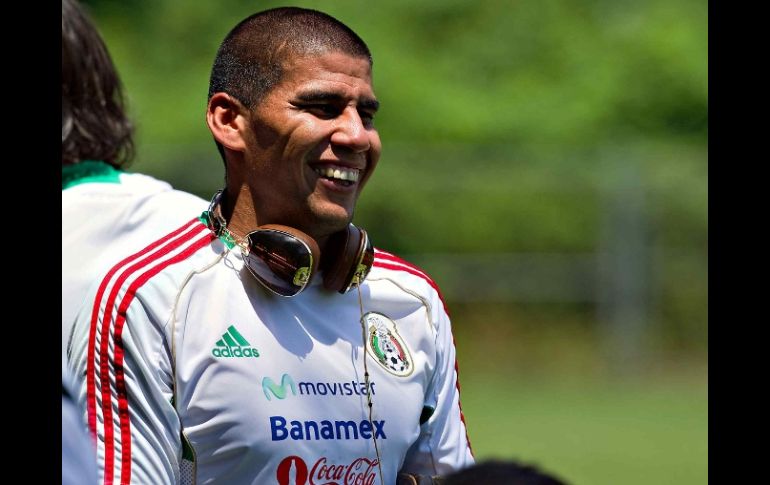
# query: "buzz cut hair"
249,62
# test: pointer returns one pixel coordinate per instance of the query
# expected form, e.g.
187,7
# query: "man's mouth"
341,175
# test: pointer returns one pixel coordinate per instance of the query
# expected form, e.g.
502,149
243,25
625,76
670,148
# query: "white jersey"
197,374
78,466
106,215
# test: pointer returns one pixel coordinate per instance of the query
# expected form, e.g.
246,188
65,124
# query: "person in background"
107,213
78,462
501,472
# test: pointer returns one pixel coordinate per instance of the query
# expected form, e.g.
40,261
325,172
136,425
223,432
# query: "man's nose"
351,132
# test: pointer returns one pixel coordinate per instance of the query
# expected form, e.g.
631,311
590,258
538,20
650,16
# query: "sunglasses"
281,258
284,259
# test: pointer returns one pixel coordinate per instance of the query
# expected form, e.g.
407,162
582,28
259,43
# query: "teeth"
350,175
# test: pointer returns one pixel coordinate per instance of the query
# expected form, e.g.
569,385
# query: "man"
106,212
230,350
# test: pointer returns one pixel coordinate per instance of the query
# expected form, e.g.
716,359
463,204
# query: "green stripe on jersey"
242,341
229,340
89,171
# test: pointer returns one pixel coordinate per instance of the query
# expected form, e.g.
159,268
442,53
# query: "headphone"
284,259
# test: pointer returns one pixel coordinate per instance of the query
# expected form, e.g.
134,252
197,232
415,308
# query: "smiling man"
193,347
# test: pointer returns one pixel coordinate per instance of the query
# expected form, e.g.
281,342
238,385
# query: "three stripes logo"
232,344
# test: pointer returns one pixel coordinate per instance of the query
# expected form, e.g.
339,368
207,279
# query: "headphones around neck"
284,259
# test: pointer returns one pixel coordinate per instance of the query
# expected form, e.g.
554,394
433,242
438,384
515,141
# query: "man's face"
314,143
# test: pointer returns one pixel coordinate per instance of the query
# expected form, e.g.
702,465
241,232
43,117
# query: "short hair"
249,62
502,472
94,125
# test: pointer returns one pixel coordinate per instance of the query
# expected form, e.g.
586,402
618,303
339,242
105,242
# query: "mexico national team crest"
386,345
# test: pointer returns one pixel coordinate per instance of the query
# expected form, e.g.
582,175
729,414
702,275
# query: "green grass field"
583,425
544,393
592,434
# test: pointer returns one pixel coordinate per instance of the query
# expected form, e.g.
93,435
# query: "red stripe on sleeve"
171,244
120,381
90,364
379,254
104,364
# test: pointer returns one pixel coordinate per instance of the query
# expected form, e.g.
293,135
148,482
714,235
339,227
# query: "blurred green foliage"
504,123
508,127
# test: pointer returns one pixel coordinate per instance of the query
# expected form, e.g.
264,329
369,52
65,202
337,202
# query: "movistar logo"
278,391
232,344
350,388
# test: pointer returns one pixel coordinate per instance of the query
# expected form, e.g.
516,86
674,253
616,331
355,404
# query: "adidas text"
235,352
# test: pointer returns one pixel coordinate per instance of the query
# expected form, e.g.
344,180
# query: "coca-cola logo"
291,471
294,471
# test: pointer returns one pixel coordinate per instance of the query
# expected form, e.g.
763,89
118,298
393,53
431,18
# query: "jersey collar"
88,171
208,220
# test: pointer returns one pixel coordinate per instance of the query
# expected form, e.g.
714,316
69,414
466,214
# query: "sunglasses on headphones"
284,259
283,262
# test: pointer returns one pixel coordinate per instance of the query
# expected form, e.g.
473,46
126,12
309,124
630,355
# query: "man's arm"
120,352
443,444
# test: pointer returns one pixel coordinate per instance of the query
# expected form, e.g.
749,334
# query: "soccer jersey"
106,215
78,466
194,373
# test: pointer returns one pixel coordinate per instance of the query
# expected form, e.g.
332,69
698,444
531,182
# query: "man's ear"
227,120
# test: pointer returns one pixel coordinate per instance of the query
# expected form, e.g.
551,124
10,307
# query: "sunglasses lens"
279,261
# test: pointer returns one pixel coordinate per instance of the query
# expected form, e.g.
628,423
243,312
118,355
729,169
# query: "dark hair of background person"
94,125
249,60
498,472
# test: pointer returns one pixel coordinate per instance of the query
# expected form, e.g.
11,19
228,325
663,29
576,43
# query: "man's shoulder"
172,256
127,192
179,200
390,266
185,242
100,177
393,265
142,182
154,276
161,195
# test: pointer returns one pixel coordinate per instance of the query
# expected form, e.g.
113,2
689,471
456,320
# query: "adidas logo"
232,344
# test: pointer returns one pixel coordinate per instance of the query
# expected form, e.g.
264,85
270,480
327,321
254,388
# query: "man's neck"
239,212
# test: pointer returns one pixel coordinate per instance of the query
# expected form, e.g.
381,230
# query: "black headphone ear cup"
347,250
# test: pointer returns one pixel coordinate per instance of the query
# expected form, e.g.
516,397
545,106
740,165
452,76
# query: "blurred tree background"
546,162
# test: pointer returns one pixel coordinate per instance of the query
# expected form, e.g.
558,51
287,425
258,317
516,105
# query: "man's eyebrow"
369,104
318,96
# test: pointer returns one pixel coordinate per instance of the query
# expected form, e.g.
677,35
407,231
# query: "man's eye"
366,116
323,110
